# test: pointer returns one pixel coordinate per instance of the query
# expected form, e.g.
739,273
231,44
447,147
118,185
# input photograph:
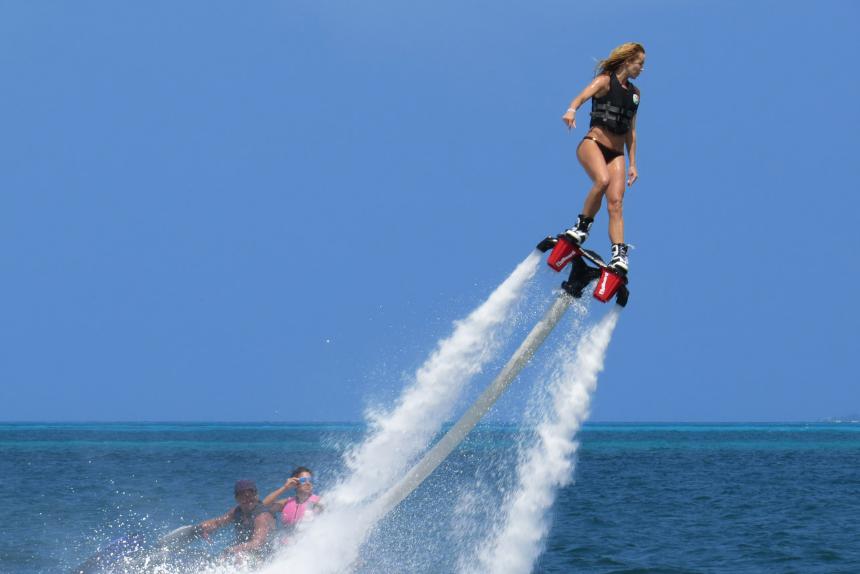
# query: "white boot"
579,232
619,257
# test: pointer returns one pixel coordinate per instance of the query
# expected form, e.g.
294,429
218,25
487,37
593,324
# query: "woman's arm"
270,498
597,86
630,140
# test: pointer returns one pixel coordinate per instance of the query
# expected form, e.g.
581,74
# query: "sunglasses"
305,480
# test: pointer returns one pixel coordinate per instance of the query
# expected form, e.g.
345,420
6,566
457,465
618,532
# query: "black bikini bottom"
608,153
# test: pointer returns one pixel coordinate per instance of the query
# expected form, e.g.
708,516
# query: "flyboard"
610,283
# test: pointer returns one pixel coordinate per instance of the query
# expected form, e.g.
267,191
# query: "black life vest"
615,110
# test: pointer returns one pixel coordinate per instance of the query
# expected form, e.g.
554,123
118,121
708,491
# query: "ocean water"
645,498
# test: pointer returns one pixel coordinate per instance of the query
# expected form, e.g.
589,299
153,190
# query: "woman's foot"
619,257
579,232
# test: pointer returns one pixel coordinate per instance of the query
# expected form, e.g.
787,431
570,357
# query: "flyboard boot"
579,232
619,257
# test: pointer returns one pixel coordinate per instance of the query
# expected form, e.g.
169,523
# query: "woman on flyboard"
614,103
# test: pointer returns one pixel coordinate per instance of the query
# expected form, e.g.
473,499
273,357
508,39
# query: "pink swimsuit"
293,511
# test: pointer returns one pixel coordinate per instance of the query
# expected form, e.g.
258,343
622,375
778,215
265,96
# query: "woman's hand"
632,175
569,118
292,482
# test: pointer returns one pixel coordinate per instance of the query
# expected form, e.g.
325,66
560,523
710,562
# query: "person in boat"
614,103
253,521
303,504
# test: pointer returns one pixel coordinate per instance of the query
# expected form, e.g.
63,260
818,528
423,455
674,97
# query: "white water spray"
547,464
332,541
401,434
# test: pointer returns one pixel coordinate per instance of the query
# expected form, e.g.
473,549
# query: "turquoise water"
646,498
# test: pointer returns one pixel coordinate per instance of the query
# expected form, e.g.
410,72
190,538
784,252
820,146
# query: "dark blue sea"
730,498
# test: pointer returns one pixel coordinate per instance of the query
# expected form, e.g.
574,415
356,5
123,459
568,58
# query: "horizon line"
843,420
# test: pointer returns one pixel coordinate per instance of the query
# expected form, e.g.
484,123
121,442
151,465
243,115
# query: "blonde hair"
618,56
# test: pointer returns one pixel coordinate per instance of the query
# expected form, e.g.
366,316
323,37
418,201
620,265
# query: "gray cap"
243,485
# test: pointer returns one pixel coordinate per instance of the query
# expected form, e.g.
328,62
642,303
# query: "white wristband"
571,110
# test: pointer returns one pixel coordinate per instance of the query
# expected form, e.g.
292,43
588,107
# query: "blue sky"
268,210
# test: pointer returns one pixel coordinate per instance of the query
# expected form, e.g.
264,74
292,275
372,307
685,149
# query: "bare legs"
608,180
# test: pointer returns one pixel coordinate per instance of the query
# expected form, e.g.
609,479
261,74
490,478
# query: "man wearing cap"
253,521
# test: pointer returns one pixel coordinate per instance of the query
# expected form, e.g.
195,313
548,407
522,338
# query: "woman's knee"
615,205
601,182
